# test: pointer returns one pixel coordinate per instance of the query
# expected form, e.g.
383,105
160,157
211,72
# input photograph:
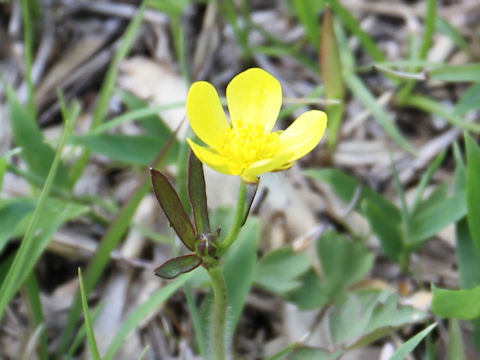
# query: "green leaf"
345,186
178,265
433,107
172,207
108,87
354,26
467,257
311,294
456,304
307,12
433,219
388,231
133,321
473,195
425,180
469,101
411,344
3,168
36,153
279,270
459,73
375,314
454,34
455,346
130,149
309,353
331,67
385,120
30,248
11,214
92,343
147,115
197,194
344,263
430,21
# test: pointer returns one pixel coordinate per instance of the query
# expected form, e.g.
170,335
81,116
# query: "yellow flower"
246,146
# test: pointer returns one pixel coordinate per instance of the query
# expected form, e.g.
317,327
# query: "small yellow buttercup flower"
245,146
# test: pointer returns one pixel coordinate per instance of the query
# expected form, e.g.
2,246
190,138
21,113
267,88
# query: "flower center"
247,143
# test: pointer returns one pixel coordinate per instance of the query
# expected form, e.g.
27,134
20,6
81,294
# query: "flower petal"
210,158
263,166
205,112
254,96
303,134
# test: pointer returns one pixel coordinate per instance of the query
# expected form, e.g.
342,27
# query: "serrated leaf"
473,195
456,304
344,263
172,207
178,265
278,271
197,194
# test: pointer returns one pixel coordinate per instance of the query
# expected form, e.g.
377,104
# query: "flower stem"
238,221
219,313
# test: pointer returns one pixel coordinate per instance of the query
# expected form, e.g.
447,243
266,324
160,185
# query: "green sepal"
178,265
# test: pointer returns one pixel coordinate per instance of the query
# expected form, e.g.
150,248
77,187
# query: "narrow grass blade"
425,180
331,67
197,194
144,352
354,26
411,344
35,307
92,343
307,12
384,119
27,17
108,85
460,73
454,34
469,101
80,337
455,347
430,21
433,107
3,169
140,313
23,257
473,195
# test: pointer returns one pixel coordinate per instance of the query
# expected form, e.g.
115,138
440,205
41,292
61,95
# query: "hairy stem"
217,336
